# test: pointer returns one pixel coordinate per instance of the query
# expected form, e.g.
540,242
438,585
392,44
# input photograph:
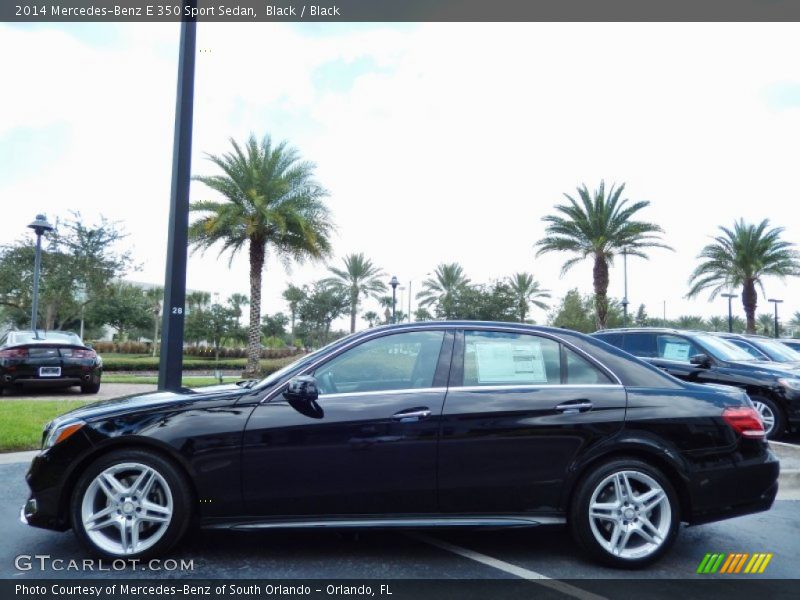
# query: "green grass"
21,421
186,381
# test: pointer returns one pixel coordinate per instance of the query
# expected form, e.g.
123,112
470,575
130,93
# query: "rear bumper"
741,488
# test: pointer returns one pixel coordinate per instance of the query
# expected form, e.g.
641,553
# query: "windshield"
722,349
776,351
300,363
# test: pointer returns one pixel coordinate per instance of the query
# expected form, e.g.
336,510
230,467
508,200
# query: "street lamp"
730,310
394,283
40,226
625,279
775,302
81,297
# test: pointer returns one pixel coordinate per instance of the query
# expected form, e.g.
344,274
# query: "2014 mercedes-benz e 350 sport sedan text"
418,425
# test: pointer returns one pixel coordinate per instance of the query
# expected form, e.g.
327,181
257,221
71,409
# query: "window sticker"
676,351
507,362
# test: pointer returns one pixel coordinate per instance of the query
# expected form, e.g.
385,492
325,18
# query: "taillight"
83,353
745,421
14,353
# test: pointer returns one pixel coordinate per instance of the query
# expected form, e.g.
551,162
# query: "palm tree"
236,302
271,203
765,324
358,278
441,289
294,296
155,296
599,227
743,256
527,292
691,322
718,323
371,317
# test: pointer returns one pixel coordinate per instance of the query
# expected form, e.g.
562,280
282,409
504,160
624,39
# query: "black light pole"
40,225
625,279
394,282
775,302
170,367
730,310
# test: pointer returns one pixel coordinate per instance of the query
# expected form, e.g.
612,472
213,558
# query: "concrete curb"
8,458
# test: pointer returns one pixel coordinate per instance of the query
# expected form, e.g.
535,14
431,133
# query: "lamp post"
394,283
730,297
775,301
81,297
625,279
40,226
409,301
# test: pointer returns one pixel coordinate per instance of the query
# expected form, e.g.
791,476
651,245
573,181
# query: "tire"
772,415
90,388
624,539
135,491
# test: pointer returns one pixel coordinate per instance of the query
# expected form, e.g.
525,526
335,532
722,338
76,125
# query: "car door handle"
413,414
577,406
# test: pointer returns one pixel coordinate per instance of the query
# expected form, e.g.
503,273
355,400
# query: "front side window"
394,362
500,358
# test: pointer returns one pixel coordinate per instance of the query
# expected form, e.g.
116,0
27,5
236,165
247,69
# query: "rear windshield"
24,337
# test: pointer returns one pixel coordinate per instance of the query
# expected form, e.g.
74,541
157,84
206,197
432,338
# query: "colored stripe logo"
734,563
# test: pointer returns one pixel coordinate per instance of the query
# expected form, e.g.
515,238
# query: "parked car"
763,348
414,425
792,343
774,388
48,358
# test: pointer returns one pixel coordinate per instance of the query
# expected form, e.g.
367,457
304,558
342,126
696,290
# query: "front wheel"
130,504
625,514
771,415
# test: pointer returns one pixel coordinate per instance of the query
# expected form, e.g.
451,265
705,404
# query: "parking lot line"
533,576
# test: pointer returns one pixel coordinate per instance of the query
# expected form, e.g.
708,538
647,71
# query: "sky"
437,142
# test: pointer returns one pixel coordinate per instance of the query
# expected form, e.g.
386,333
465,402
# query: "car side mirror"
700,360
301,394
302,389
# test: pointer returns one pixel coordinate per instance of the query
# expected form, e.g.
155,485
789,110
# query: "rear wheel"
625,514
130,504
772,416
90,388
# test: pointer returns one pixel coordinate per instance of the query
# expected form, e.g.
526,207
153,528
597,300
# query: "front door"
369,446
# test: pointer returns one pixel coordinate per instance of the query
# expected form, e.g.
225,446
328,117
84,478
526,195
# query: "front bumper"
50,478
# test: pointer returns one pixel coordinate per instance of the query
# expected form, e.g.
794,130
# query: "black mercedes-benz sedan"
417,425
48,358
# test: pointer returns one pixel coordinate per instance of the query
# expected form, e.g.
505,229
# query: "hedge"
150,363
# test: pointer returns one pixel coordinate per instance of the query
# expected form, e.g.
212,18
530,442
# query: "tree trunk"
254,331
600,276
353,311
523,311
750,301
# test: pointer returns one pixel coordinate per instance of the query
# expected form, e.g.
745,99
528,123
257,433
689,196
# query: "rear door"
519,409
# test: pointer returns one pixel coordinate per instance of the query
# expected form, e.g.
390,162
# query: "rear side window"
580,370
499,358
673,347
640,344
615,339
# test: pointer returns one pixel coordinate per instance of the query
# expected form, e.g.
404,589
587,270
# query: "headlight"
790,383
60,432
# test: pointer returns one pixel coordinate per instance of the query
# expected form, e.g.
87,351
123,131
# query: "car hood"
138,402
774,369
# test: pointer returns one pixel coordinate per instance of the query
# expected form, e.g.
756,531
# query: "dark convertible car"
418,425
48,358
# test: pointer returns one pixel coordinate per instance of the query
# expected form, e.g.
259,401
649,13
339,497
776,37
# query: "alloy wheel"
127,508
630,514
767,416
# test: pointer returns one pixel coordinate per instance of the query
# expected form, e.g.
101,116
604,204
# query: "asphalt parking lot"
463,554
